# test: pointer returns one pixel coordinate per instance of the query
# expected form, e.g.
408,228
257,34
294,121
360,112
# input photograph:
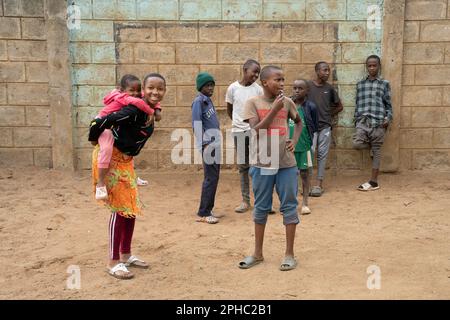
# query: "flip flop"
249,262
120,271
288,263
316,191
367,187
134,261
141,182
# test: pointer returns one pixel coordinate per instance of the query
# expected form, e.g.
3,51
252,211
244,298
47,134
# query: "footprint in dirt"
56,221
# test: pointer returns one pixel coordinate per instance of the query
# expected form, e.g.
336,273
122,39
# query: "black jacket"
128,126
311,118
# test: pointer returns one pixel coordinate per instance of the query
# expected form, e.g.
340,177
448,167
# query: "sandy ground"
48,222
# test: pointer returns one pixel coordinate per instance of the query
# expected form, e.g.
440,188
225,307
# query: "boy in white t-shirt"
237,94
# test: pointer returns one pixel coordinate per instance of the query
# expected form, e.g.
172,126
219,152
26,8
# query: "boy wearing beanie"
207,138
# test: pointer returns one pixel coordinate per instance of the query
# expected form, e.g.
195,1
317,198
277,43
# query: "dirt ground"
49,221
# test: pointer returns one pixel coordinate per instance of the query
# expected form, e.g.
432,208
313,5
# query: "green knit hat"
202,79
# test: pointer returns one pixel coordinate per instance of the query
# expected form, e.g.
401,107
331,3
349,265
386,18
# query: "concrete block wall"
181,38
25,137
425,111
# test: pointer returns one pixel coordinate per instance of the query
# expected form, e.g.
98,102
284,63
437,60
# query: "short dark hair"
127,80
374,56
249,63
304,80
267,70
318,64
154,75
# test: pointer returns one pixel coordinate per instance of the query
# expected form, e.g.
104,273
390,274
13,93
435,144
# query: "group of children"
291,130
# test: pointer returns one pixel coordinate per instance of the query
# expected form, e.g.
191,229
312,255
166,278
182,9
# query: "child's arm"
138,102
229,101
387,105
293,114
158,114
337,103
197,123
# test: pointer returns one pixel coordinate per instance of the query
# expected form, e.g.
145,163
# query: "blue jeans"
285,181
209,187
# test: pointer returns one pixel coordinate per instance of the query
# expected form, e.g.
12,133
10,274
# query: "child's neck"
319,82
372,77
269,96
300,100
245,83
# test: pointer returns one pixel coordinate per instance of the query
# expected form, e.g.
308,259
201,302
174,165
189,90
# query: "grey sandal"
288,263
316,191
249,262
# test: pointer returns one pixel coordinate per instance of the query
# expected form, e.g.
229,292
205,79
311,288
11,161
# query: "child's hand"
385,123
290,145
157,115
279,102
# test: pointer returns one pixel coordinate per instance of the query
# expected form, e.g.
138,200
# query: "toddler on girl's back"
128,93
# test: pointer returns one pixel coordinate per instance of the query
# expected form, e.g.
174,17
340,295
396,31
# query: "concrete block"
284,10
350,73
430,117
24,8
446,97
135,69
6,137
43,157
200,10
177,31
3,95
13,157
37,116
12,116
179,74
24,50
405,159
223,74
114,10
348,31
435,31
326,10
347,93
125,52
170,98
416,138
447,54
260,32
240,11
358,52
103,52
94,31
405,117
12,72
411,32
238,53
408,75
85,7
293,72
157,10
423,53
280,53
425,9
177,117
348,159
94,74
32,137
313,52
431,160
433,74
84,116
302,32
185,95
441,138
421,96
359,9
83,159
196,53
346,118
36,71
344,137
33,28
3,50
98,92
219,32
151,53
80,52
9,28
137,32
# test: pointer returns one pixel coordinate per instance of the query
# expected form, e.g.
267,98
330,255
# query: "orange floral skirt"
120,181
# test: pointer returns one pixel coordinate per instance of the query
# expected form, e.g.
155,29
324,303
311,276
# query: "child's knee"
260,217
290,217
358,144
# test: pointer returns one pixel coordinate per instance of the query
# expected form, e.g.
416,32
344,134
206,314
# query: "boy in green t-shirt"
306,143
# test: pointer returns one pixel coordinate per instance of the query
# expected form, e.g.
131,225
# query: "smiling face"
274,82
251,74
300,89
154,90
373,67
208,89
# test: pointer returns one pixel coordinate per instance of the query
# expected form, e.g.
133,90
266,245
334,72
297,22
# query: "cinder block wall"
181,38
24,107
425,112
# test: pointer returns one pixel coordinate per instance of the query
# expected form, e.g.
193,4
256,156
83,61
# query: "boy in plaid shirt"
373,114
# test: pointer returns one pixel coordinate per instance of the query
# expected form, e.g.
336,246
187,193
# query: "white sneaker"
101,193
306,210
141,182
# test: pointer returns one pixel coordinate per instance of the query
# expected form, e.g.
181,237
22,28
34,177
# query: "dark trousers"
209,187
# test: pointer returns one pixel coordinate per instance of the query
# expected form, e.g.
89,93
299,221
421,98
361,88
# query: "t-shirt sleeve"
334,96
229,95
249,110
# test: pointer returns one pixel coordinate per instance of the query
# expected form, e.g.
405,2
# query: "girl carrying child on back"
129,92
